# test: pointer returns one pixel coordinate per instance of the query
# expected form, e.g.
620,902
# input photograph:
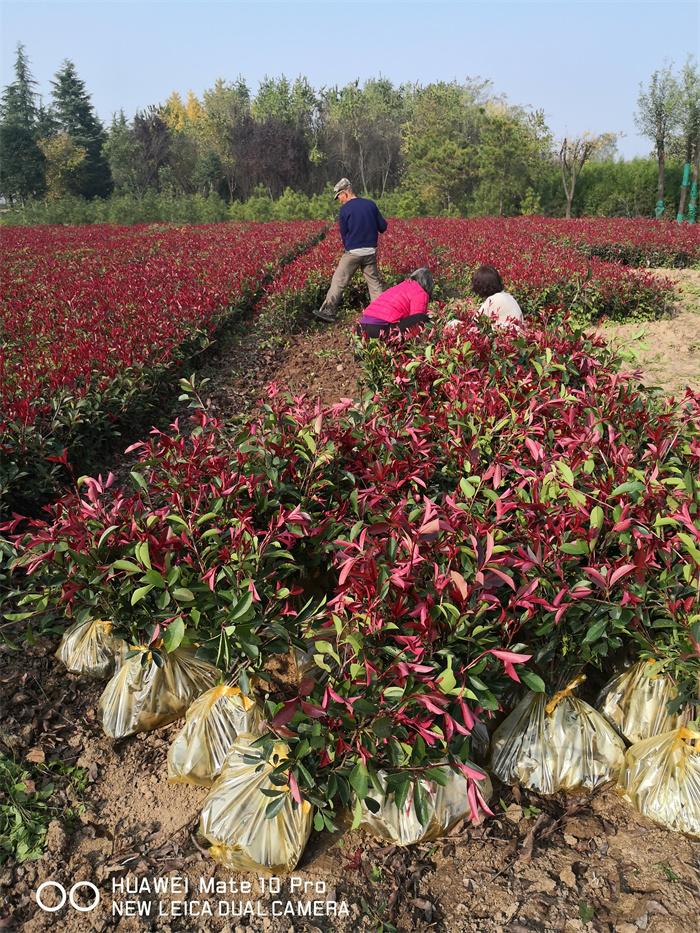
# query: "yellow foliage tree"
193,108
65,165
174,114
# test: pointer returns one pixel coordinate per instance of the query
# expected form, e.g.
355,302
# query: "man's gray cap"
342,185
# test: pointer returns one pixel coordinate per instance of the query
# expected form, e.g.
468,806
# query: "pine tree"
22,163
74,115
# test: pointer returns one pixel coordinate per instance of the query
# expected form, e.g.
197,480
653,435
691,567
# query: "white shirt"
503,309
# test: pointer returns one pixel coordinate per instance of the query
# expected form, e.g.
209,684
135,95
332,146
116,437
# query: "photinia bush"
495,509
93,317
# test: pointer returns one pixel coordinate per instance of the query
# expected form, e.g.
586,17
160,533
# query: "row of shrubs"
493,510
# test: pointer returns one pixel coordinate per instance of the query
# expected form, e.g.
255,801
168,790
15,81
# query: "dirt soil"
668,349
563,863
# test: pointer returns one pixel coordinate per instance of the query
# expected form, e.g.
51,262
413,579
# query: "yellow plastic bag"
636,704
233,814
212,723
446,807
141,698
558,744
89,648
661,779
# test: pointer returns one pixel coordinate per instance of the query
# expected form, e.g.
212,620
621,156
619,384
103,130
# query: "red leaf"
294,788
621,572
286,714
460,583
597,577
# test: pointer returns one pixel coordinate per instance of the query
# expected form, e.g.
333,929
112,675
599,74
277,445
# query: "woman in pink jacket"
400,307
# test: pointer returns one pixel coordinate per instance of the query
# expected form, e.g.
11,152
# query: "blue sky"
581,61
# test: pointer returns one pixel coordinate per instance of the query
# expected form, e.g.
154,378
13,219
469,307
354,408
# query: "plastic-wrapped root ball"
233,814
90,649
637,704
213,721
140,698
661,779
446,807
557,744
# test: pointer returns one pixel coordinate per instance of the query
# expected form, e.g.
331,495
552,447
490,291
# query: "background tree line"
437,149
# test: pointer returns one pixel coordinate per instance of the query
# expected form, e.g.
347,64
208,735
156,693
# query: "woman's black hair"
424,279
486,282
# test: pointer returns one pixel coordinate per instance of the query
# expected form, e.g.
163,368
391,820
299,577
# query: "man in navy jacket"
360,223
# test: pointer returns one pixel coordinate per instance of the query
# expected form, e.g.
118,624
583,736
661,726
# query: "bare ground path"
669,349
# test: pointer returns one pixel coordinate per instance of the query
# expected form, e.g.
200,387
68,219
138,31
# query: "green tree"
124,154
511,149
22,163
74,116
362,133
657,116
208,173
225,105
274,99
440,139
617,189
686,145
66,166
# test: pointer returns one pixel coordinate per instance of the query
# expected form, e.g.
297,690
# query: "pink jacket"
398,302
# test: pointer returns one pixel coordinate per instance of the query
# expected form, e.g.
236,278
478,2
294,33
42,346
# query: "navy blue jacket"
360,222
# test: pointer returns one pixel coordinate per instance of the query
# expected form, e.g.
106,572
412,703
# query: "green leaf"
9,643
565,472
357,818
586,912
206,517
140,593
577,547
446,679
401,794
420,803
155,578
626,487
690,543
127,565
244,681
382,727
597,517
273,808
438,775
532,681
174,634
595,631
106,534
467,488
141,552
358,780
182,594
138,481
241,608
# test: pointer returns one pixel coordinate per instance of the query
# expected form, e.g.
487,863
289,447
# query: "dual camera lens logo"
70,895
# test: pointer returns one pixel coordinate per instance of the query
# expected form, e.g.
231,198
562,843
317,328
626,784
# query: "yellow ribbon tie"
566,692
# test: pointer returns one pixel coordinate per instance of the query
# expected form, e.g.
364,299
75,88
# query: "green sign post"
693,202
684,188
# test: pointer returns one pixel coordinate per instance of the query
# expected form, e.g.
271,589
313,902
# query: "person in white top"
503,309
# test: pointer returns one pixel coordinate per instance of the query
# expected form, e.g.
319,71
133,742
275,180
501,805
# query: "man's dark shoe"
326,316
